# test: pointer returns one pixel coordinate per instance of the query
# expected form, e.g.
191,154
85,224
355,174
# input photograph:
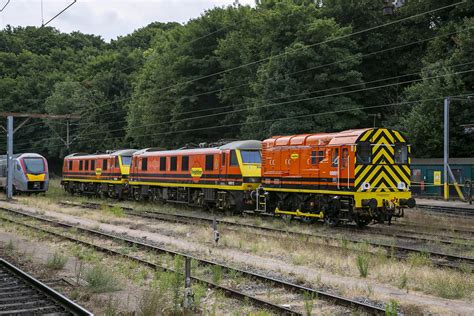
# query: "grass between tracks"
350,260
116,286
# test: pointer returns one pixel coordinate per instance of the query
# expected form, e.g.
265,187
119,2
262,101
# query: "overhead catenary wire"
289,101
287,74
294,117
305,47
286,102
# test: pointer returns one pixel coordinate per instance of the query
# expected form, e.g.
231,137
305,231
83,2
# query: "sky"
107,18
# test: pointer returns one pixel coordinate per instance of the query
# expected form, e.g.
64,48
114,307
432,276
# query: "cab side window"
93,165
233,158
335,157
364,153
70,164
104,164
401,153
345,157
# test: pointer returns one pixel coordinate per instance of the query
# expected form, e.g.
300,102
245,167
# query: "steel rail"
339,300
450,210
390,247
51,298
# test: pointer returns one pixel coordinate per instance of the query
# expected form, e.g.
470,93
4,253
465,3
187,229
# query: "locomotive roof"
241,144
120,152
23,155
327,139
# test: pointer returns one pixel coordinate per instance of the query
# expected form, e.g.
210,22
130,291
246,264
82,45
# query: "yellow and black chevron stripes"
382,178
374,135
382,173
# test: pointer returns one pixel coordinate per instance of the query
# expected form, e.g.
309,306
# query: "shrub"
391,308
56,262
101,280
151,302
363,265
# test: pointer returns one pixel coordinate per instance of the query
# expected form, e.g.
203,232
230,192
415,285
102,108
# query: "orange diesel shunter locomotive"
221,177
98,174
355,175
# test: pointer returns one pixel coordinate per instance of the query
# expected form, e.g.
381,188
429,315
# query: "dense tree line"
247,72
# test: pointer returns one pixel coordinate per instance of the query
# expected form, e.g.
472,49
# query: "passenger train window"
401,153
209,162
174,163
364,153
184,163
104,164
233,158
86,165
70,164
162,163
335,157
144,164
80,165
93,165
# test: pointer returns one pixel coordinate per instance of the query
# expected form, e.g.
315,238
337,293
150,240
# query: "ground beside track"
316,267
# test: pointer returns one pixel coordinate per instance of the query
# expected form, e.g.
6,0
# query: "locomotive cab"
382,173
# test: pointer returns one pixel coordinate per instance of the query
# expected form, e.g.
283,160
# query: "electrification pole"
10,133
446,147
9,157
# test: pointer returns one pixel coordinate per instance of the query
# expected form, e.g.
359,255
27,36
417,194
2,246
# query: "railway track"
21,294
450,210
282,287
401,252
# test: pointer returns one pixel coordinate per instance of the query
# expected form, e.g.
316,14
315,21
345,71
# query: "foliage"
279,67
56,262
362,262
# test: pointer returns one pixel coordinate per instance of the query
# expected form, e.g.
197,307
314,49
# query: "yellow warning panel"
437,177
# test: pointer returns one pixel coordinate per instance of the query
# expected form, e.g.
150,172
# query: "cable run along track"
256,277
21,294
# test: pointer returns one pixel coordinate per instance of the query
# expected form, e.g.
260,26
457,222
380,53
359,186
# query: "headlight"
401,186
365,186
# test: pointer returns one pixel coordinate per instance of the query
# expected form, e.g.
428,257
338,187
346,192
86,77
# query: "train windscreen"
126,160
251,156
34,165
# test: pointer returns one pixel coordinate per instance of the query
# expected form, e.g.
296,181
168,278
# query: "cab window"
345,156
126,160
162,163
233,158
364,153
250,156
104,164
335,157
401,153
92,165
70,164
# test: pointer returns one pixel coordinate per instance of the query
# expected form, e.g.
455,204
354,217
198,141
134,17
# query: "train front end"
382,174
31,173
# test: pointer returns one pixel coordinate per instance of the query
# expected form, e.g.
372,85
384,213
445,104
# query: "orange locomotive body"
99,174
221,177
354,175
